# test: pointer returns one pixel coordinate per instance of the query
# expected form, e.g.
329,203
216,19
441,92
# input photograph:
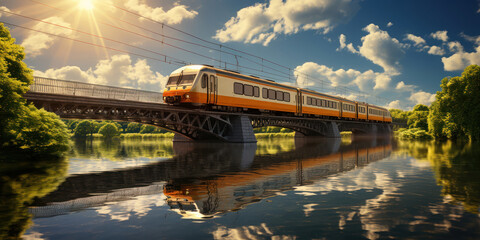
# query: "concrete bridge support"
331,130
241,131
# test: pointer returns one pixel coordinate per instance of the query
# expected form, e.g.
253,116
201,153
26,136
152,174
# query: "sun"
86,4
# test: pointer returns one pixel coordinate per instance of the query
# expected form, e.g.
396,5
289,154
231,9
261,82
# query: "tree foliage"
456,110
84,128
24,126
133,127
109,130
417,118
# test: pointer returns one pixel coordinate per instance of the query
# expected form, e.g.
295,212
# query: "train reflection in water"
204,180
268,175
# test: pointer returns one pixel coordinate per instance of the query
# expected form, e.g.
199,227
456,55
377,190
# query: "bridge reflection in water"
204,180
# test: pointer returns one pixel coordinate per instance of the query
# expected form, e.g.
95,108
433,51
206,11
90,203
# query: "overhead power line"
259,71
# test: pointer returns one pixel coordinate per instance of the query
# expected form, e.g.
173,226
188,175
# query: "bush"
413,133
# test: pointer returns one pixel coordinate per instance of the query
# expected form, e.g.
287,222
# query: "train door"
299,101
212,90
340,104
356,111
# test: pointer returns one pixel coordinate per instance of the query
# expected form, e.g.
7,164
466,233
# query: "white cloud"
435,50
389,24
378,47
381,49
321,74
394,105
440,35
68,73
36,42
461,59
422,97
343,39
173,16
261,23
417,41
455,46
3,8
117,71
404,87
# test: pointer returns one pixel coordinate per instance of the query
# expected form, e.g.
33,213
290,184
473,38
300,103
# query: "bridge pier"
241,131
331,130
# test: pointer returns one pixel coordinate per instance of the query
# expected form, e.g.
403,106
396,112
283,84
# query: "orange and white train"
207,86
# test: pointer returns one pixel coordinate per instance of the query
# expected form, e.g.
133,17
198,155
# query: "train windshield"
181,79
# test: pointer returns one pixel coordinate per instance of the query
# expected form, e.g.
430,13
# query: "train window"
265,93
248,90
204,80
271,94
324,103
238,88
344,107
335,105
329,104
309,101
279,95
172,80
286,97
315,102
256,91
187,79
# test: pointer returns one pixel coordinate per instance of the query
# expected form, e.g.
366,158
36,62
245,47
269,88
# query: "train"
204,86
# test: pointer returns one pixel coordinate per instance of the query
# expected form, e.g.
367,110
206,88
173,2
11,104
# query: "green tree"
133,127
456,110
84,128
109,130
147,129
24,126
417,118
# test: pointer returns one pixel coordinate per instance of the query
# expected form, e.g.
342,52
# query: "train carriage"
362,111
203,85
349,109
319,104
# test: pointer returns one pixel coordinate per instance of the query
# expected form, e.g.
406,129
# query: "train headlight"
187,96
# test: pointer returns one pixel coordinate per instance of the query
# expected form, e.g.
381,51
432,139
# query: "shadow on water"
456,165
22,180
203,179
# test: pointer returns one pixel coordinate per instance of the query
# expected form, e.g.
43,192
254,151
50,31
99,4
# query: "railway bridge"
77,100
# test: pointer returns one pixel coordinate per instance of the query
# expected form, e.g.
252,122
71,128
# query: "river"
366,188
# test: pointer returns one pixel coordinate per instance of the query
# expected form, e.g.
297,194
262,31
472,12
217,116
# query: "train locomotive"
225,90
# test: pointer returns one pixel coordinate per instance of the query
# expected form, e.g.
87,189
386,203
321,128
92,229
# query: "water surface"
281,189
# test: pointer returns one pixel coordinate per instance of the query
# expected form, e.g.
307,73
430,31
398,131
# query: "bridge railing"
69,88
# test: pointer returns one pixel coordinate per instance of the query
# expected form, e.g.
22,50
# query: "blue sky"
391,53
